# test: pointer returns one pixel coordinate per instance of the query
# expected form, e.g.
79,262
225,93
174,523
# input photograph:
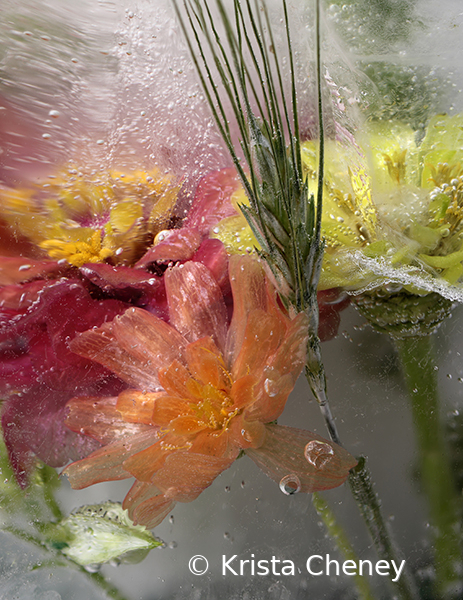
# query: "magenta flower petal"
212,201
39,373
178,245
16,269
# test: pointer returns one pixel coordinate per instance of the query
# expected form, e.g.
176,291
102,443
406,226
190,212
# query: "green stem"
369,506
370,509
417,358
339,536
98,579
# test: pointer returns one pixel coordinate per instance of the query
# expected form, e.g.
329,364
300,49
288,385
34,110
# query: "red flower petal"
179,244
212,201
16,269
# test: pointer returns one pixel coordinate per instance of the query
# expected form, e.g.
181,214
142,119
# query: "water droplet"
271,387
54,113
243,484
246,435
290,484
94,568
100,142
318,453
171,519
227,488
393,287
46,136
172,545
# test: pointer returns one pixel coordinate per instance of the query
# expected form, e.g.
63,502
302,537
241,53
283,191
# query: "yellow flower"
393,208
84,218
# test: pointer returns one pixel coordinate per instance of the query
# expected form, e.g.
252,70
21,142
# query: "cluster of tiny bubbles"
318,454
290,484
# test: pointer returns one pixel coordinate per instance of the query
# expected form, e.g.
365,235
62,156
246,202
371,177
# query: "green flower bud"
100,533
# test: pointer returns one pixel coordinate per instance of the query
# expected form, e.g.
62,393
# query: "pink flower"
202,391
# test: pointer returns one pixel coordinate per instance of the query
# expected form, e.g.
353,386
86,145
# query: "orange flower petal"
134,346
148,339
146,505
186,425
106,464
247,434
306,459
206,364
280,375
262,338
99,418
212,444
168,408
143,464
174,379
243,392
185,475
101,346
270,396
291,355
248,288
136,406
196,305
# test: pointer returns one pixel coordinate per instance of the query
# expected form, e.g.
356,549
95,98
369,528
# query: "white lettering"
309,560
262,566
226,564
349,565
398,572
370,567
288,569
331,562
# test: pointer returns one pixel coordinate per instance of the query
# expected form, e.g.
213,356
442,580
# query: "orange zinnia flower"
205,391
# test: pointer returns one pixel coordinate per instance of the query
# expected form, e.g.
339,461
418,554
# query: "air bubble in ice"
319,454
290,484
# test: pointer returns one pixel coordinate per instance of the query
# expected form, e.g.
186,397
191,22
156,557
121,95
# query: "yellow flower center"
213,408
86,219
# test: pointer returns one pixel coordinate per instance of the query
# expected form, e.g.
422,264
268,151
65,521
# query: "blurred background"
109,84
